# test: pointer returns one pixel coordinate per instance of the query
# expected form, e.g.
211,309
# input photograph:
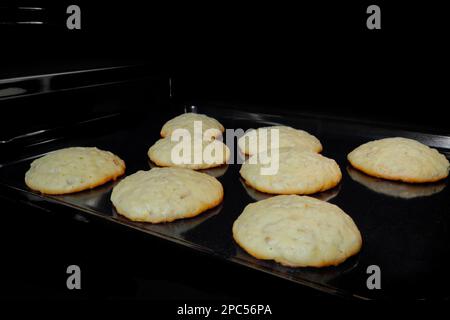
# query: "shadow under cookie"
215,172
258,195
395,188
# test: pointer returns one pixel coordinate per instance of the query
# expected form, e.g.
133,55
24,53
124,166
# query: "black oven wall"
316,56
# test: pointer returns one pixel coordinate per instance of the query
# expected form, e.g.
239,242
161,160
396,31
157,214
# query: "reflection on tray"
395,188
215,172
317,275
93,198
175,228
258,195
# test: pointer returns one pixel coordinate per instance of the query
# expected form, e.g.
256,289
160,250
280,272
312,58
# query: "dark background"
314,56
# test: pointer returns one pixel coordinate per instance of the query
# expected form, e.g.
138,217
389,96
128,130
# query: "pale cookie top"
287,137
203,154
73,169
186,121
166,194
297,231
299,172
400,159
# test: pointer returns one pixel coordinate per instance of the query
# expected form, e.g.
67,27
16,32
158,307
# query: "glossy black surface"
407,237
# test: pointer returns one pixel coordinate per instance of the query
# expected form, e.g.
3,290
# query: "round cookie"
297,231
299,172
400,159
73,169
203,153
187,120
288,137
166,194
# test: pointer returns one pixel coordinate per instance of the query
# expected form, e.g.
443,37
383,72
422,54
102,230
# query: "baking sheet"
405,228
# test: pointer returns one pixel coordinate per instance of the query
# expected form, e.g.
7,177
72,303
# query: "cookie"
299,172
287,137
297,231
187,120
400,159
203,154
166,194
73,169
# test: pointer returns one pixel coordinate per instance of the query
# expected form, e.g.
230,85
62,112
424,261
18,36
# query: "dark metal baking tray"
405,228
